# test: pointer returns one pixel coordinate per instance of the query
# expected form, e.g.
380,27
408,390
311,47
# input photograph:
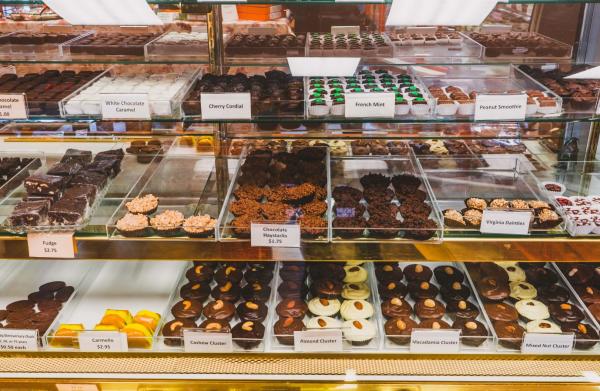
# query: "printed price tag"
15,339
435,341
505,222
76,387
500,106
323,66
195,341
125,106
318,341
345,30
370,104
51,245
226,106
13,106
540,343
102,341
275,235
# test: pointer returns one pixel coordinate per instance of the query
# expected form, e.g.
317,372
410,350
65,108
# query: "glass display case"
414,207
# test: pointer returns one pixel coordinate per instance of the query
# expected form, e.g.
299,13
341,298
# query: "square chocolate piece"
42,184
65,169
81,192
77,155
86,177
110,154
29,213
67,211
109,167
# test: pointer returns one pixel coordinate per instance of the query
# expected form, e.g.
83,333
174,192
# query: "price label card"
125,106
274,235
370,104
500,106
51,245
345,30
102,341
318,340
13,106
505,222
226,106
434,341
540,343
76,387
22,340
195,341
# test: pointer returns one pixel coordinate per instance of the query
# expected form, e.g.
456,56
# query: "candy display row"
298,181
582,214
175,93
374,306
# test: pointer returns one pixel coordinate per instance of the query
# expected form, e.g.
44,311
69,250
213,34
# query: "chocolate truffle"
399,330
219,310
291,308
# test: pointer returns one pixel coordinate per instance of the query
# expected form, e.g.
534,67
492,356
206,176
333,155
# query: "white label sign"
76,387
505,222
125,106
370,104
13,106
540,343
22,340
102,341
434,341
274,235
195,341
323,66
318,341
345,30
226,106
51,245
500,106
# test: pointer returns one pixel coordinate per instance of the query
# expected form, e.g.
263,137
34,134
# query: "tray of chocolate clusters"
432,296
168,204
435,46
445,154
363,45
531,297
45,90
521,45
382,199
129,298
246,46
64,193
178,45
35,45
578,95
325,296
31,300
462,195
456,90
584,278
233,298
274,94
326,96
164,86
279,187
116,45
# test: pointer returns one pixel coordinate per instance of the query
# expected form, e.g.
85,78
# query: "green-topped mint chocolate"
320,91
356,90
393,89
413,88
337,95
318,102
401,100
337,90
339,101
377,89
